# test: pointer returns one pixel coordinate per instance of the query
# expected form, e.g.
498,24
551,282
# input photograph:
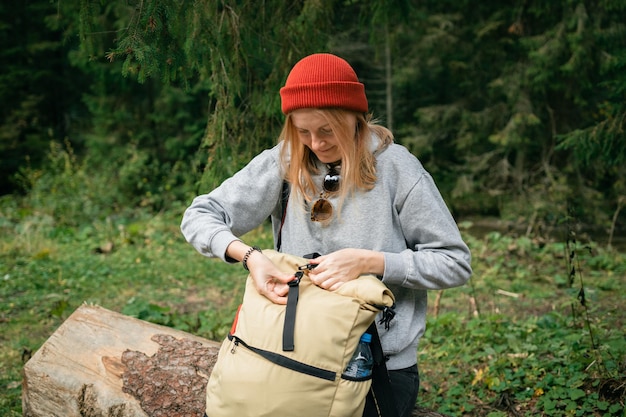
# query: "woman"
363,202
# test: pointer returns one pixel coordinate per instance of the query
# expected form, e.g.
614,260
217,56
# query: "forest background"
517,108
116,111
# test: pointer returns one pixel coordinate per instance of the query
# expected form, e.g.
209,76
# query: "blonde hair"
358,163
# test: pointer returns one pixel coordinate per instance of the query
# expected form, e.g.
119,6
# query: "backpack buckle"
307,267
296,281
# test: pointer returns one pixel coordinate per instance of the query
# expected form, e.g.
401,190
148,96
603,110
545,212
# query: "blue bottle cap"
367,338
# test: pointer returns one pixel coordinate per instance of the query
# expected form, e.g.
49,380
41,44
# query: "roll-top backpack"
288,360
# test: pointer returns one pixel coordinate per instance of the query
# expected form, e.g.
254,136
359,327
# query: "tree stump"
103,364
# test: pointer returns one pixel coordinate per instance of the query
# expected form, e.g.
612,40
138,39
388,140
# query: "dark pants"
405,384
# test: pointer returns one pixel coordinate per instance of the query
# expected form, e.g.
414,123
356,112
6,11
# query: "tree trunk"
103,364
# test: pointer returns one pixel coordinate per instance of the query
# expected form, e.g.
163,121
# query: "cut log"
100,363
103,364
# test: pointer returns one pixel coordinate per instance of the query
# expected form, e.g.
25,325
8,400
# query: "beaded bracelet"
244,261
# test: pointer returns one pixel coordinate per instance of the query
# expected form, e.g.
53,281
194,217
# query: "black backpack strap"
284,198
290,312
286,362
380,401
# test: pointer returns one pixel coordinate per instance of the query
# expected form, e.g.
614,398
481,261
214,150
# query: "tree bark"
103,364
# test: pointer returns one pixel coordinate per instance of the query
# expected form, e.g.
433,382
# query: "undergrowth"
532,338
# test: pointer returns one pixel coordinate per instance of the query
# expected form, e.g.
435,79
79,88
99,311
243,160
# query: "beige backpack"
269,366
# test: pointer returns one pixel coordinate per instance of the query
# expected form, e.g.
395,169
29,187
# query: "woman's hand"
334,269
269,280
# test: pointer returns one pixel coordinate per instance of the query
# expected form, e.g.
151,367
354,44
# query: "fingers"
278,288
275,290
269,281
275,298
335,286
326,282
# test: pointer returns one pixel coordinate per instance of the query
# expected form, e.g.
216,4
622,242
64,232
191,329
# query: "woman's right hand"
268,280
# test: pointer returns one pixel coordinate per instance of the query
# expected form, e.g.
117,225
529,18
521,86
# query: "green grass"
517,340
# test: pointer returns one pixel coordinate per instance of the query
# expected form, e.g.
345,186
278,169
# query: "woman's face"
316,133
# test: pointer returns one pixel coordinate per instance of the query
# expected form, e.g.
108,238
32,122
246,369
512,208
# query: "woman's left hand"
344,265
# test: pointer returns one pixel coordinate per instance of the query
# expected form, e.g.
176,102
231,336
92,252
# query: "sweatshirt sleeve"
436,256
240,204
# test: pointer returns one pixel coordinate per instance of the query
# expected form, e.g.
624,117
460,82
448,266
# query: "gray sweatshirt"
403,216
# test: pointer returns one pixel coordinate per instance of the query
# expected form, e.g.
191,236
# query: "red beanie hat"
323,80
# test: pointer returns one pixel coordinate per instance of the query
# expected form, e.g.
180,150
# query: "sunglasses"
322,210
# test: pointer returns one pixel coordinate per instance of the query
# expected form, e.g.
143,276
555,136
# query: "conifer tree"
240,52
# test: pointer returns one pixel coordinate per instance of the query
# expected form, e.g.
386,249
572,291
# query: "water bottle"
360,366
